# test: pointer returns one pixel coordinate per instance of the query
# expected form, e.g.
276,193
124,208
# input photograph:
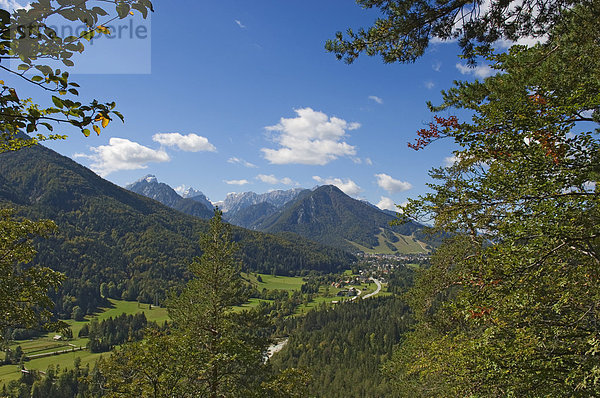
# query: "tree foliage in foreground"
26,37
24,301
406,27
510,306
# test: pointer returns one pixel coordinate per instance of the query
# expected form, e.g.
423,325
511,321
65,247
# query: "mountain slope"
197,196
136,245
151,188
251,216
329,216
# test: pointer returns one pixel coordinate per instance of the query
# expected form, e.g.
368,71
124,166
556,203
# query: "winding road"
376,290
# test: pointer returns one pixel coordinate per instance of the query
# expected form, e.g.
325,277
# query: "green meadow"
46,344
273,282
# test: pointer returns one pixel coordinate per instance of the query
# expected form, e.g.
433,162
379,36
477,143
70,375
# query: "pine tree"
226,346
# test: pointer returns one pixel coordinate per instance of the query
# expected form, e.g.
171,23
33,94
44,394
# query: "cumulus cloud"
311,138
236,182
271,179
527,41
481,71
369,161
387,204
436,66
391,184
376,99
429,84
187,143
240,24
122,154
348,186
241,161
450,160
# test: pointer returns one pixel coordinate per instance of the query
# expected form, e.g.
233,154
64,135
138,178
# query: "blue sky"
236,96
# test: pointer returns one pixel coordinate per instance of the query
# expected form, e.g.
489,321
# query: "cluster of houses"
380,265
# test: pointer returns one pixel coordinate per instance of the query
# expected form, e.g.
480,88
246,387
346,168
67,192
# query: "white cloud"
187,143
481,71
236,182
369,161
376,99
311,138
242,162
240,24
523,41
429,84
122,154
271,179
387,204
436,66
392,185
450,160
348,186
437,40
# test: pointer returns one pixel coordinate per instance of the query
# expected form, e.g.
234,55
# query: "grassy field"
272,282
46,344
404,245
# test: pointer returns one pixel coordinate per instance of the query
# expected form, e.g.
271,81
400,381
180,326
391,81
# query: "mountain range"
325,214
193,203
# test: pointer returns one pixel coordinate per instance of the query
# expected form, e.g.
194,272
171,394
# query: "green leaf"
99,11
140,8
57,102
123,10
89,35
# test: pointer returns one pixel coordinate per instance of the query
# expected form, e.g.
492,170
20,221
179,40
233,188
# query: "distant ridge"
149,186
198,196
235,202
248,209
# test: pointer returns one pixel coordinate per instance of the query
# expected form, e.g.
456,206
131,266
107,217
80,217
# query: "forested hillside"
343,348
134,244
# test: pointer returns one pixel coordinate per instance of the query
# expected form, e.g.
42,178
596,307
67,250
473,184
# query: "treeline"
105,335
342,348
73,382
